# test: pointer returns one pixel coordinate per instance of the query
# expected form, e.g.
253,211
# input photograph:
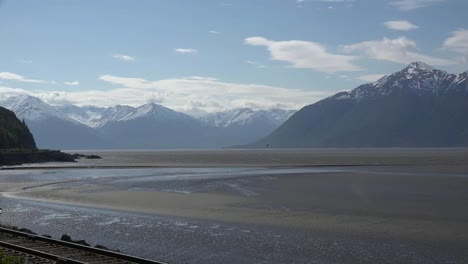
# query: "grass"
8,259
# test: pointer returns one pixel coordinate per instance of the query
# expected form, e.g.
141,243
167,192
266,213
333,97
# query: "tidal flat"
254,206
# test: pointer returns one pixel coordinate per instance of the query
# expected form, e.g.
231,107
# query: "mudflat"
394,195
266,158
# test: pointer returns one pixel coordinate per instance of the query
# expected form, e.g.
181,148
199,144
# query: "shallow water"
186,240
182,240
178,180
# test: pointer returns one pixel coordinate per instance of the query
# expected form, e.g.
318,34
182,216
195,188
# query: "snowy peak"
417,78
32,108
76,113
156,112
100,116
245,116
419,70
419,66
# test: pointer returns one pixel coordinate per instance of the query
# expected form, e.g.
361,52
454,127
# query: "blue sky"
212,55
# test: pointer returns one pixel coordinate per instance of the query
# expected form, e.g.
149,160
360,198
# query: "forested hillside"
13,132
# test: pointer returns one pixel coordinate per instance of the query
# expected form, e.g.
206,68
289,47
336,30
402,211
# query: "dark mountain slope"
13,132
416,107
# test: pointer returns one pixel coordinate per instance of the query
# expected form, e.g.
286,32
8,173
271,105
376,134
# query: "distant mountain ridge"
416,107
243,116
148,126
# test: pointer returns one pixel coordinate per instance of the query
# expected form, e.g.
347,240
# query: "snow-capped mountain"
418,78
155,126
157,113
100,116
52,127
418,106
76,113
246,116
32,108
94,116
148,126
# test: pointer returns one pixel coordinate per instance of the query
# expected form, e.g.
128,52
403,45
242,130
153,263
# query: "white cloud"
123,57
400,25
370,77
407,5
9,76
190,94
256,64
305,54
458,43
400,50
186,51
16,77
6,92
26,61
326,1
214,94
74,83
214,32
201,78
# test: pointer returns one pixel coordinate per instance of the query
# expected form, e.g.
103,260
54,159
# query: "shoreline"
389,201
38,167
236,209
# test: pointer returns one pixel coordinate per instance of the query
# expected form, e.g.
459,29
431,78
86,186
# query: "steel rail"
97,251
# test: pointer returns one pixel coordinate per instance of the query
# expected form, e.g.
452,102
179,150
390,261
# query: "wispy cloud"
16,77
26,61
7,92
305,55
194,93
325,1
349,3
123,57
458,43
399,50
186,51
370,77
401,25
9,76
74,83
254,63
407,5
214,32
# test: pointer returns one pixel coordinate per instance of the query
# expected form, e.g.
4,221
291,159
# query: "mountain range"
148,126
418,106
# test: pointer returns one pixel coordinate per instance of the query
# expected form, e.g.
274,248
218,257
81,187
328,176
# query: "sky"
213,55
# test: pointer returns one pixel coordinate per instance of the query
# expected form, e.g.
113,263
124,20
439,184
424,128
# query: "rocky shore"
22,156
64,237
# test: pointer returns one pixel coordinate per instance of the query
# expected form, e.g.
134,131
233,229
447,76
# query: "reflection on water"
181,240
178,180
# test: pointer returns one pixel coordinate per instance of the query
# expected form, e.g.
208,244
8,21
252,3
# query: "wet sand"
391,200
374,205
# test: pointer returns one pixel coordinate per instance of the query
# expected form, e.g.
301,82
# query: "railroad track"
39,249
